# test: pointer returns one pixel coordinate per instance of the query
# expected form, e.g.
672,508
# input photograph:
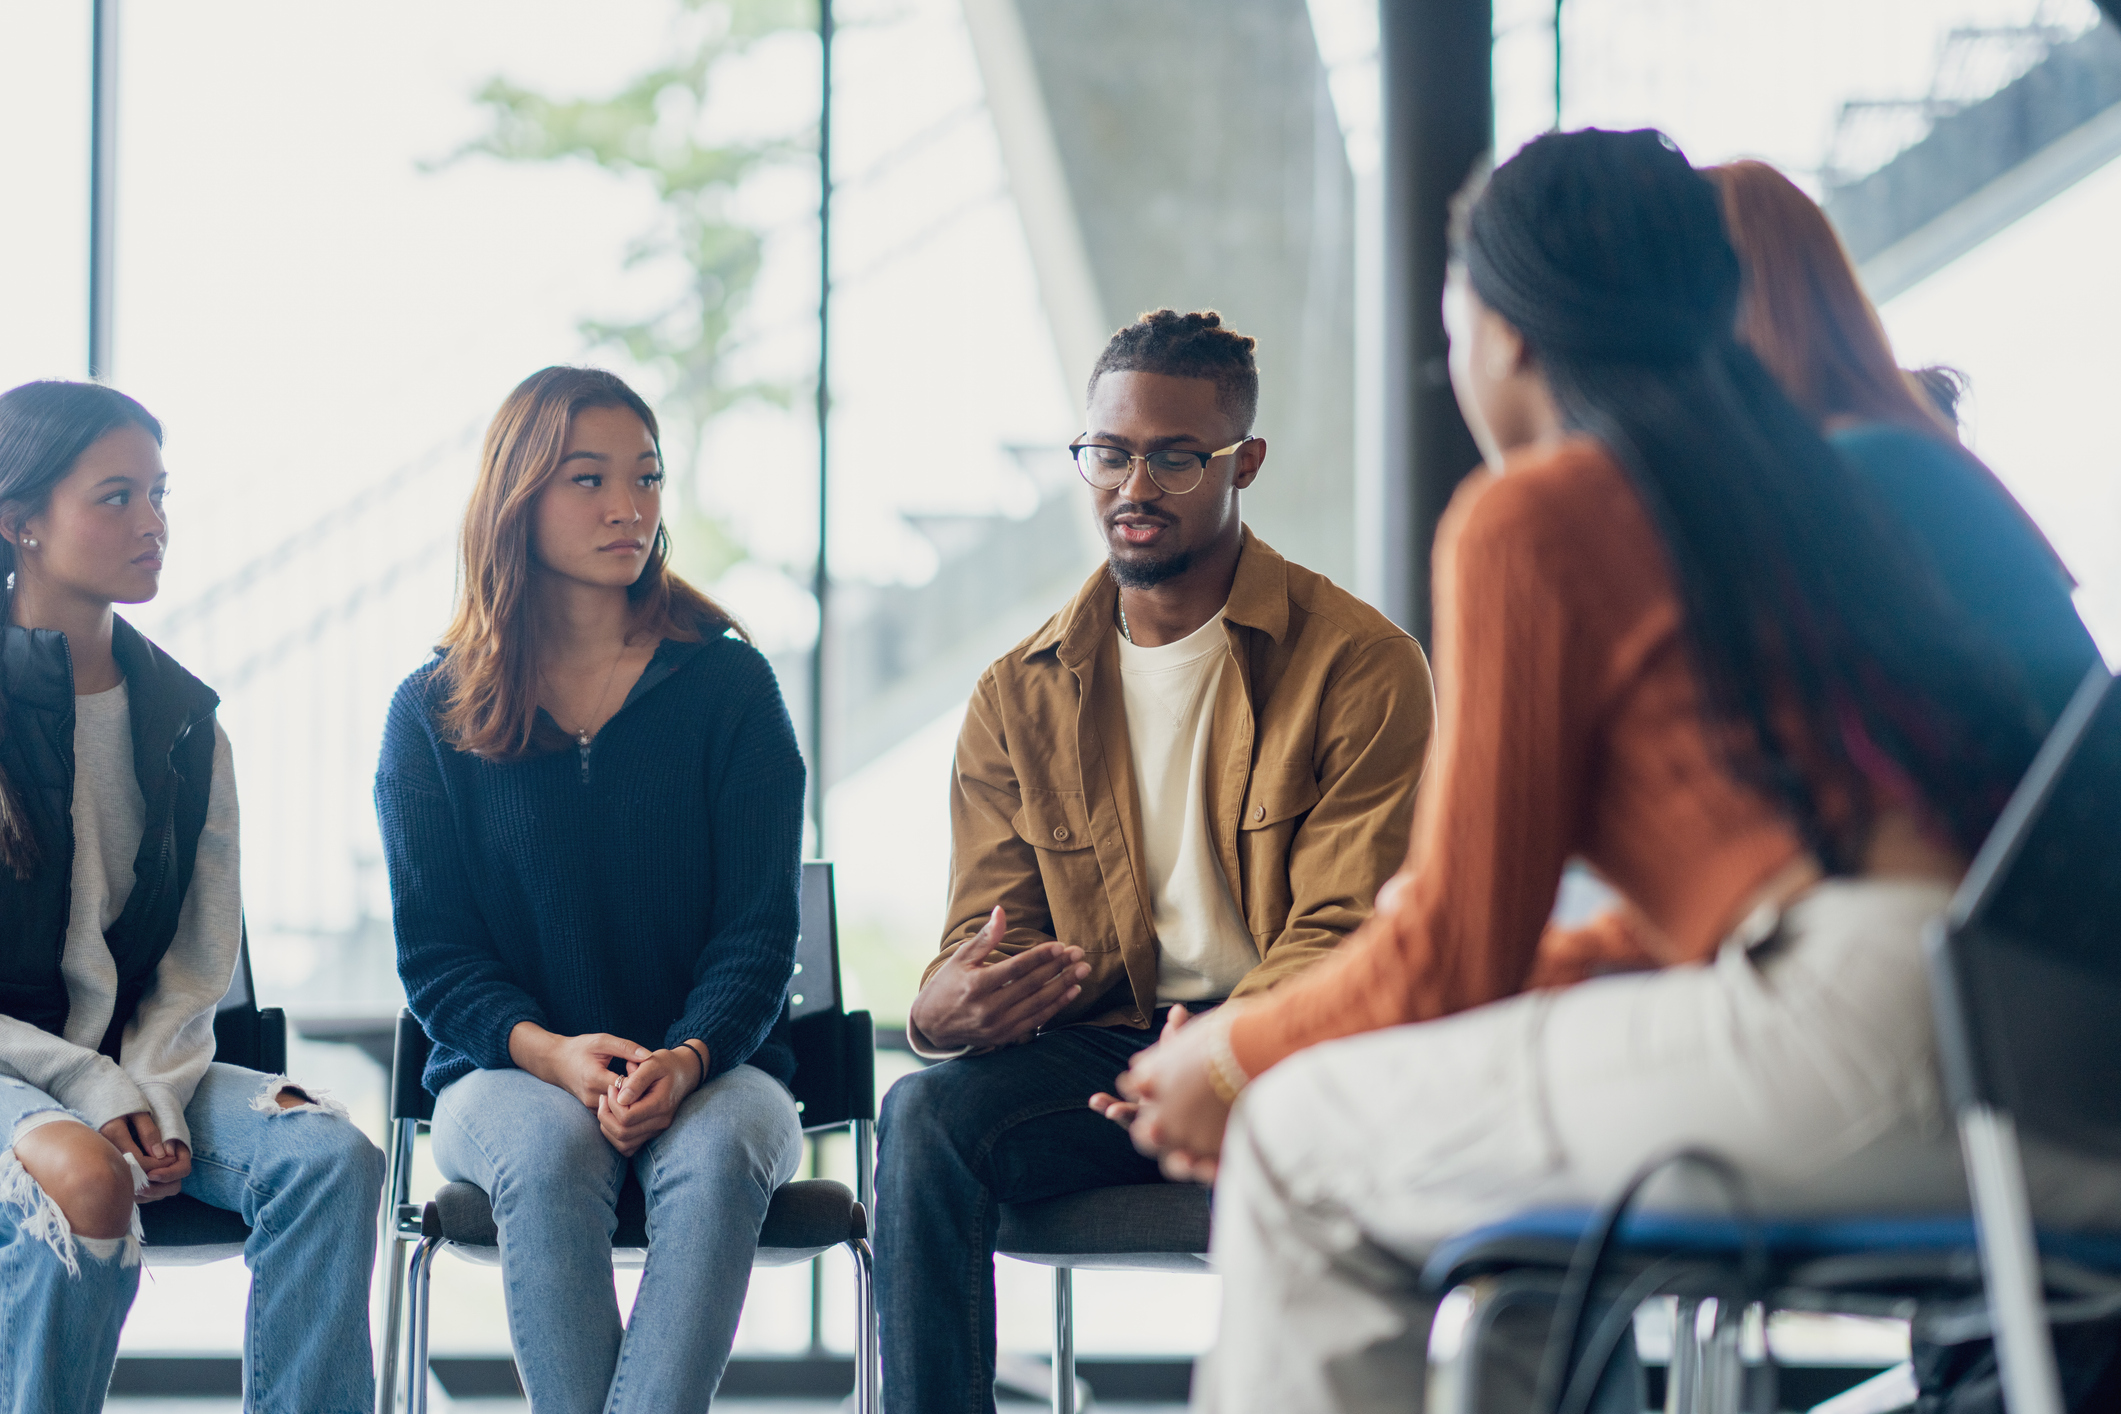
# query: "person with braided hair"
1675,638
1187,785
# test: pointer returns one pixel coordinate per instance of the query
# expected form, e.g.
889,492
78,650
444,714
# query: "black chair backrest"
2029,977
815,987
835,1053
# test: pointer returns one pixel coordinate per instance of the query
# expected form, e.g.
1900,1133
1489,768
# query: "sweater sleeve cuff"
104,1094
168,1110
498,1056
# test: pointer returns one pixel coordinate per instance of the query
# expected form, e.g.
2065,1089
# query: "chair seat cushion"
1131,1227
181,1231
805,1218
1931,1244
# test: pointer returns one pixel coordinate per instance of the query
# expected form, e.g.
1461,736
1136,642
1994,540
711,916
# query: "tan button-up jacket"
1321,727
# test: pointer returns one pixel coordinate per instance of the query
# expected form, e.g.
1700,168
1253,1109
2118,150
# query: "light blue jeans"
555,1186
305,1180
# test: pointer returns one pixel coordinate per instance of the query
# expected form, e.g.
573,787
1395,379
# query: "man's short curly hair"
1188,346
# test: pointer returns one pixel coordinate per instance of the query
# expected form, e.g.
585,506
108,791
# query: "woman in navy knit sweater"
591,803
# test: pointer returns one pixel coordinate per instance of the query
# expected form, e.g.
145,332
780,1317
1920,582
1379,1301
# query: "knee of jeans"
914,1102
563,1162
66,1181
920,1115
318,1146
280,1097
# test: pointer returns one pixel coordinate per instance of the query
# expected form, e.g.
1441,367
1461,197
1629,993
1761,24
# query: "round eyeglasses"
1174,471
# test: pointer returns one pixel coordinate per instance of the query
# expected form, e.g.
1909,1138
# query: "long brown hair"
1803,311
489,659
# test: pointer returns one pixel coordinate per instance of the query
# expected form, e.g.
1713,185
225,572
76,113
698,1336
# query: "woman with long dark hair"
1675,638
591,803
121,918
1802,310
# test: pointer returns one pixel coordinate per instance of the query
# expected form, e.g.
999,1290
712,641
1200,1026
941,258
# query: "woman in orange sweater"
1677,639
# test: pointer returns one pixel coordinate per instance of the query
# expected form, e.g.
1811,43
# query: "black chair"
835,1086
2025,979
181,1231
1140,1227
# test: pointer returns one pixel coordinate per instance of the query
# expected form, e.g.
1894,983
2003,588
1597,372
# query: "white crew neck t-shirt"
1203,946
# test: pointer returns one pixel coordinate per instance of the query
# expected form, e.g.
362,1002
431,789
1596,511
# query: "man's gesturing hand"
977,1000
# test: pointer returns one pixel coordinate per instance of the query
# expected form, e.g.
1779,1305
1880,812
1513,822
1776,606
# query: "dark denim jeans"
958,1140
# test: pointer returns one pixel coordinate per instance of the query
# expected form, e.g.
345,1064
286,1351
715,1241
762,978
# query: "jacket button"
1259,812
1060,832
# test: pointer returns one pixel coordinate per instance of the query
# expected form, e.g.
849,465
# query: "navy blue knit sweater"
649,888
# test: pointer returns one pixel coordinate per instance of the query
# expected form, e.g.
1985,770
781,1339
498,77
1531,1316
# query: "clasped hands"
1168,1104
632,1108
166,1162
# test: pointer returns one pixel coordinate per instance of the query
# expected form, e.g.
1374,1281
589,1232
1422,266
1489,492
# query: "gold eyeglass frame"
1076,450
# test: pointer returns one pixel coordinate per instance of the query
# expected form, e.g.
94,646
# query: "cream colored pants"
1806,1059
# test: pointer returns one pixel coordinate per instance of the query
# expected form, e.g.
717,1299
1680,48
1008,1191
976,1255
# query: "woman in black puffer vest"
120,924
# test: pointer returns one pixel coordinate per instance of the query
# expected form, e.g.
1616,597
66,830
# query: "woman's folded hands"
641,1104
1168,1100
632,1108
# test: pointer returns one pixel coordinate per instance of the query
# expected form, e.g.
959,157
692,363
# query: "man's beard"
1147,574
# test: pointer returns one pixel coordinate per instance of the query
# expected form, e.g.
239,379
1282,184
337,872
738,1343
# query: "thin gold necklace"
581,733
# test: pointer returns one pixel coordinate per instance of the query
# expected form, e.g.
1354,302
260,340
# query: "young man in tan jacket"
1186,786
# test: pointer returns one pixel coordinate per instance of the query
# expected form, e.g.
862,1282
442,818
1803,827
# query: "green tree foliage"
653,129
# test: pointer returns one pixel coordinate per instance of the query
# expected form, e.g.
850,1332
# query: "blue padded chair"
2025,974
181,1231
1139,1227
835,1087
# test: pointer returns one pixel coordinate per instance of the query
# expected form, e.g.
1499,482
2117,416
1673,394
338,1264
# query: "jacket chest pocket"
1277,798
1055,820
1056,823
1278,792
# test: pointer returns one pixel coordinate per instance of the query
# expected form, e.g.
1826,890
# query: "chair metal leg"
396,1184
1682,1383
865,1166
1063,1341
393,1325
1721,1365
2010,1262
420,1279
1448,1386
867,1363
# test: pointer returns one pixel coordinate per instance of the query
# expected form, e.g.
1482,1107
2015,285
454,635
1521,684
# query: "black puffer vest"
173,757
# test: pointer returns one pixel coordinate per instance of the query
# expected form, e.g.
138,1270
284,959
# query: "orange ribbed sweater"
1567,725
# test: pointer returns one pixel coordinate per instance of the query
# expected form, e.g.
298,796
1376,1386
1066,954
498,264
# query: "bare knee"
81,1172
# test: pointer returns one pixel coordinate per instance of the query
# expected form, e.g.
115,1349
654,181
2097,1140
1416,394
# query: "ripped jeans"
305,1180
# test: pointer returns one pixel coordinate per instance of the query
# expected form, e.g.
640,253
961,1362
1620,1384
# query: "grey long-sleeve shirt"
170,1040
